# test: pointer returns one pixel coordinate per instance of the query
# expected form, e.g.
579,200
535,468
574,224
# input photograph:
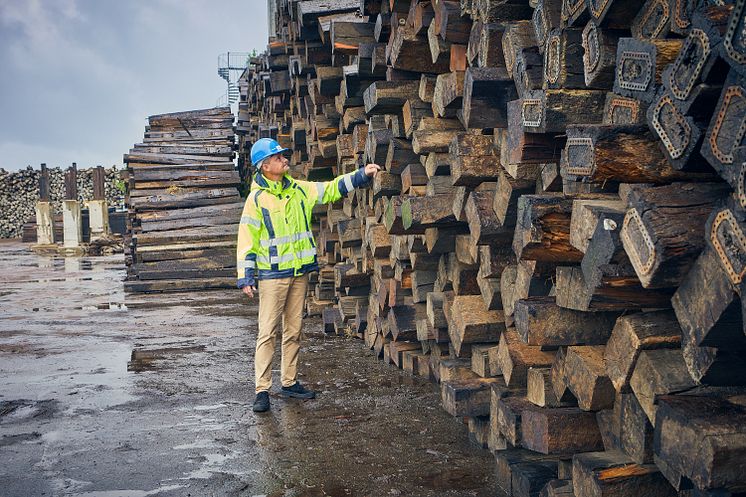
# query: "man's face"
276,165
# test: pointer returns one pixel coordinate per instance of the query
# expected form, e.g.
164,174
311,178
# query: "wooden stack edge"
557,236
183,204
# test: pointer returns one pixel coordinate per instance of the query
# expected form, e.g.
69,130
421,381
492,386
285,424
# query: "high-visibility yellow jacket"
274,236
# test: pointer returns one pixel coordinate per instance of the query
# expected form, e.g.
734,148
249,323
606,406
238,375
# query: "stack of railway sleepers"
183,203
557,236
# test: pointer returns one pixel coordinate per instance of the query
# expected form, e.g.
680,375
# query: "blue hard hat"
263,148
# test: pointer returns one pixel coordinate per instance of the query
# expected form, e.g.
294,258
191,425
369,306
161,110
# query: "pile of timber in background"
19,192
184,205
558,234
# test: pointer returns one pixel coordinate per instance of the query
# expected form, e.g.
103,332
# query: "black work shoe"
297,391
261,403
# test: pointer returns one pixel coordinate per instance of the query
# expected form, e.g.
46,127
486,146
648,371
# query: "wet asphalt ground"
111,395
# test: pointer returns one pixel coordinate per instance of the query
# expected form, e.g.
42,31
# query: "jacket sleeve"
325,192
248,241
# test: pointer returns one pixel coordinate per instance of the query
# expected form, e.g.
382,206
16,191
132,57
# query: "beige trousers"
280,301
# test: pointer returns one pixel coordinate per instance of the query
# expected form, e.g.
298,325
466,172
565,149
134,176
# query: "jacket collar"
273,187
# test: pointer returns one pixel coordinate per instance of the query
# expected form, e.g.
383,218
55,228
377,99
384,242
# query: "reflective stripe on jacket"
274,235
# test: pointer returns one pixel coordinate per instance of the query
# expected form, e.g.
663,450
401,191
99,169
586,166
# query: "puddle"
20,438
14,411
145,359
127,493
110,306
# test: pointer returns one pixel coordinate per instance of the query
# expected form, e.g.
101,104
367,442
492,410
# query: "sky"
78,78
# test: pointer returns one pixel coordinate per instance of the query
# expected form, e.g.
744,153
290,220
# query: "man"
276,246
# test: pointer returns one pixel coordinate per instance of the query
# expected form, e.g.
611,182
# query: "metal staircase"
230,67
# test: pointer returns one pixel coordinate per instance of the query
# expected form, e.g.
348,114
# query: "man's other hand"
371,170
249,291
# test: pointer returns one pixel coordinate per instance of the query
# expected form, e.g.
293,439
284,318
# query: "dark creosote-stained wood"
563,59
614,473
701,439
631,335
545,111
724,139
599,55
620,110
486,93
640,65
662,243
625,153
540,321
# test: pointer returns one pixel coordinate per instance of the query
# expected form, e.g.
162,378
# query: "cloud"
80,77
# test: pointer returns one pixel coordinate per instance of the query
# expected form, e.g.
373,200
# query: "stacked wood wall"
557,235
183,203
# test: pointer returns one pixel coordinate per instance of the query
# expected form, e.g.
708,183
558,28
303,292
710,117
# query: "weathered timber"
608,286
662,243
732,49
551,111
539,390
467,397
574,12
509,410
514,358
585,217
585,375
490,46
546,17
448,94
635,430
540,321
471,322
619,153
486,93
385,97
435,315
501,11
516,37
559,378
346,37
512,460
410,52
706,304
631,335
413,111
640,65
652,20
543,229
726,133
528,71
484,227
474,159
414,178
659,372
614,473
680,134
480,360
702,439
527,147
559,430
399,155
563,59
599,57
620,110
419,213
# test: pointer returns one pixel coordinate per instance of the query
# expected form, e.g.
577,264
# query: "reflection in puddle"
145,359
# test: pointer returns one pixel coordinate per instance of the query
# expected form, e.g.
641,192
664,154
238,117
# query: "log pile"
19,192
183,204
557,237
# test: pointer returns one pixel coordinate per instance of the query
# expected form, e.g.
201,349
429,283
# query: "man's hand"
371,170
249,291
